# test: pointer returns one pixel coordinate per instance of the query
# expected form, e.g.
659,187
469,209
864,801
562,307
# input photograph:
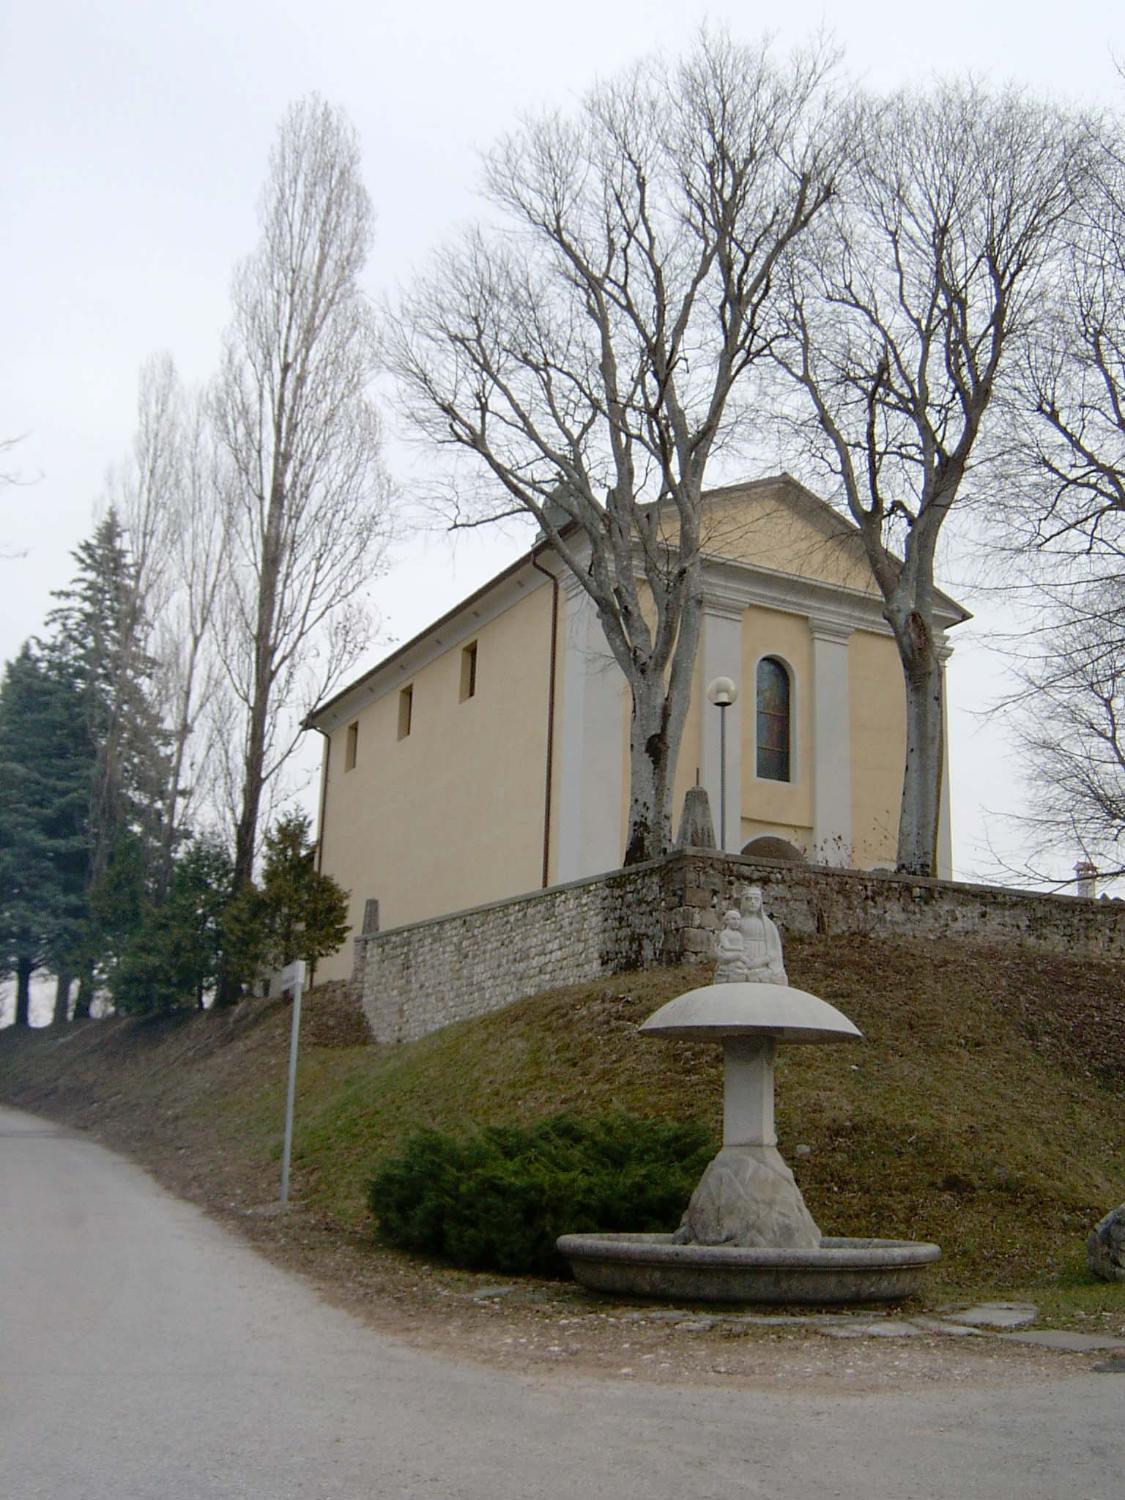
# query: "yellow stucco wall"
452,815
878,745
776,526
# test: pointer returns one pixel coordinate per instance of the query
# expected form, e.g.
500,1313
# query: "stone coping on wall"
418,977
894,878
542,893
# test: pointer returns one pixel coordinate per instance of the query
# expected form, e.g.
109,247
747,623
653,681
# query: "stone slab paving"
949,1330
1063,1338
999,1320
995,1315
886,1328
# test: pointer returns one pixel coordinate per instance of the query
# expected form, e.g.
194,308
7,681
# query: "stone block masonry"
414,980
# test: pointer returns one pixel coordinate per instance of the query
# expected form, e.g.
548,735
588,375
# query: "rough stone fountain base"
842,1270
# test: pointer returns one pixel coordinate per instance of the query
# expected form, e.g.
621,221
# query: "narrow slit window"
351,746
469,671
773,721
405,711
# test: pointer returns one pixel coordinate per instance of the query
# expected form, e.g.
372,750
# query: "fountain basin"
841,1270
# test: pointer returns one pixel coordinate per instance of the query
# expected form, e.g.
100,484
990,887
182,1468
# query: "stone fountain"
747,1234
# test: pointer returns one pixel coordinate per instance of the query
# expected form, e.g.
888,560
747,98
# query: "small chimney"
1086,879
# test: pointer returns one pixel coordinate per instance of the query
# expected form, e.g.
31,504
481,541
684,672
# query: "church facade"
488,756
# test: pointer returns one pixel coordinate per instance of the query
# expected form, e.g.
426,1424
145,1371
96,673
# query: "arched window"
773,720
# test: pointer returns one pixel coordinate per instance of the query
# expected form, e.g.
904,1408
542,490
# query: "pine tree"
98,642
46,773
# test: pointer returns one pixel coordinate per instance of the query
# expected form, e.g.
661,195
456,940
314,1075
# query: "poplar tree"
308,496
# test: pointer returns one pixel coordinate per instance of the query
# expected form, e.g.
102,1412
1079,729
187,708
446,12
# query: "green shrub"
499,1198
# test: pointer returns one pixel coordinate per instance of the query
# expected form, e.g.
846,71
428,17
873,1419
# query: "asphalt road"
145,1354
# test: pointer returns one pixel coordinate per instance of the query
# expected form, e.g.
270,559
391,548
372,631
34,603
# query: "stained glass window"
773,720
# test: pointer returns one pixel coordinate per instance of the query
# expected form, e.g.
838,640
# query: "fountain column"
748,1064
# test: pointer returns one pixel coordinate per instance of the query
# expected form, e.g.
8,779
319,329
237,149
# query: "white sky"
135,143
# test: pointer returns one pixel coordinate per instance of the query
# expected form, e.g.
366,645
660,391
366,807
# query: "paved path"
145,1354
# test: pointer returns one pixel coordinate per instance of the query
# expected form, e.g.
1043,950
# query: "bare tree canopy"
584,352
173,493
904,312
1073,390
1072,731
309,497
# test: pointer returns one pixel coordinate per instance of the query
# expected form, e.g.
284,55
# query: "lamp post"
722,692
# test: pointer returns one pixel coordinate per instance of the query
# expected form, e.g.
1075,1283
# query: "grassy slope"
984,1110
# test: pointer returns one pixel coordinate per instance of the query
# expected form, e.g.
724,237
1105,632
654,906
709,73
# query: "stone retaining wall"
414,980
819,899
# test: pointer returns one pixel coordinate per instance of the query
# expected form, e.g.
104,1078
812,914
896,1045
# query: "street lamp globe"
722,692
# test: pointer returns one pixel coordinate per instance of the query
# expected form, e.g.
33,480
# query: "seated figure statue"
761,942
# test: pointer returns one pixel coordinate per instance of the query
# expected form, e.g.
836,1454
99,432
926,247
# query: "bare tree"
1072,731
586,350
1065,531
309,500
172,494
902,318
141,487
1073,385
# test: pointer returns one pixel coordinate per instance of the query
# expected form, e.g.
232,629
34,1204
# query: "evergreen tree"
296,912
46,771
174,956
98,643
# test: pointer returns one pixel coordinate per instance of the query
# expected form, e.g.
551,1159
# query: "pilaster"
945,825
720,655
590,744
832,742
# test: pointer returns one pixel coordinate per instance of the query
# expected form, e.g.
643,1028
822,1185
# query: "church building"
489,756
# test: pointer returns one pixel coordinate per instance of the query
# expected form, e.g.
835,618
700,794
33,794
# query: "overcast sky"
135,144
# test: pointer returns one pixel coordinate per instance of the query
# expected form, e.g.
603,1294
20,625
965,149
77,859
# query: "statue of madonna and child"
749,945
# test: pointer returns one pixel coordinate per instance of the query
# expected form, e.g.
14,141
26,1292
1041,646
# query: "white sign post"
292,978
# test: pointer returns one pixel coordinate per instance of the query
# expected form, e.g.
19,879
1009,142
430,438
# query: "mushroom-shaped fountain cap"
720,1010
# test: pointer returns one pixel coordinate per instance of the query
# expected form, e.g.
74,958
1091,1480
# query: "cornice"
830,630
832,606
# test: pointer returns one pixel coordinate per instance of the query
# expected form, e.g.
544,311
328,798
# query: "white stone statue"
761,942
731,965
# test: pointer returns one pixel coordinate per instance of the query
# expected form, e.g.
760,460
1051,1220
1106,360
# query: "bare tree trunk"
85,996
649,814
921,784
246,834
62,1000
655,733
24,970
